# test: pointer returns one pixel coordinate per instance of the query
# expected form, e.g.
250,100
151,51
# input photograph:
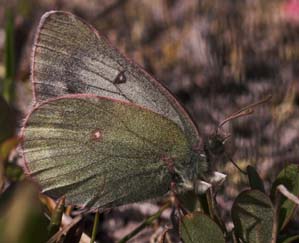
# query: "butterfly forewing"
101,152
71,57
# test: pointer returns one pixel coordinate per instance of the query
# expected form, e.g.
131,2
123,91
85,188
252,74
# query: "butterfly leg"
214,179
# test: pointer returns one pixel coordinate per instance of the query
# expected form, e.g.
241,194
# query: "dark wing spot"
120,78
75,87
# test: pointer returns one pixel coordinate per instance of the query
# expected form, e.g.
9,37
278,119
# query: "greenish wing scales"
70,57
102,152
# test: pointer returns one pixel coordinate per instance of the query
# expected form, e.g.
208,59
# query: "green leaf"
7,195
290,239
252,214
254,179
199,228
22,219
7,146
190,201
8,83
5,149
289,177
13,172
7,121
56,217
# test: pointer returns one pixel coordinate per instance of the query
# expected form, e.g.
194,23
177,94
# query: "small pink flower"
290,11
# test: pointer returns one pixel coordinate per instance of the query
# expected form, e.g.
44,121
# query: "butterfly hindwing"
89,149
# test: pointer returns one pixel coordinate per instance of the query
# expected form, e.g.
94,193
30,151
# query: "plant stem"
213,210
276,216
56,217
95,226
8,83
146,223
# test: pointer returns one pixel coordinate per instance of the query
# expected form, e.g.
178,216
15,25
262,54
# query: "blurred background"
215,56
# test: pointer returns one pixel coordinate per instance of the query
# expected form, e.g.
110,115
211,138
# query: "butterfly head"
215,144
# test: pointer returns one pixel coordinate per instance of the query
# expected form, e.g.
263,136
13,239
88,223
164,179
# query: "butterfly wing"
100,152
69,56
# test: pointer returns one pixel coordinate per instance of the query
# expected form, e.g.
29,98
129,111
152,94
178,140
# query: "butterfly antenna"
226,138
245,111
234,116
234,163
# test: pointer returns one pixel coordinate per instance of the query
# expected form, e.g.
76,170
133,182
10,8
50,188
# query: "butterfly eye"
120,78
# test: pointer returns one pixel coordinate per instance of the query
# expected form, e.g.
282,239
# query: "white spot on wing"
96,135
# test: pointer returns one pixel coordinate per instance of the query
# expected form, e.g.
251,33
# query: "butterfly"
103,132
